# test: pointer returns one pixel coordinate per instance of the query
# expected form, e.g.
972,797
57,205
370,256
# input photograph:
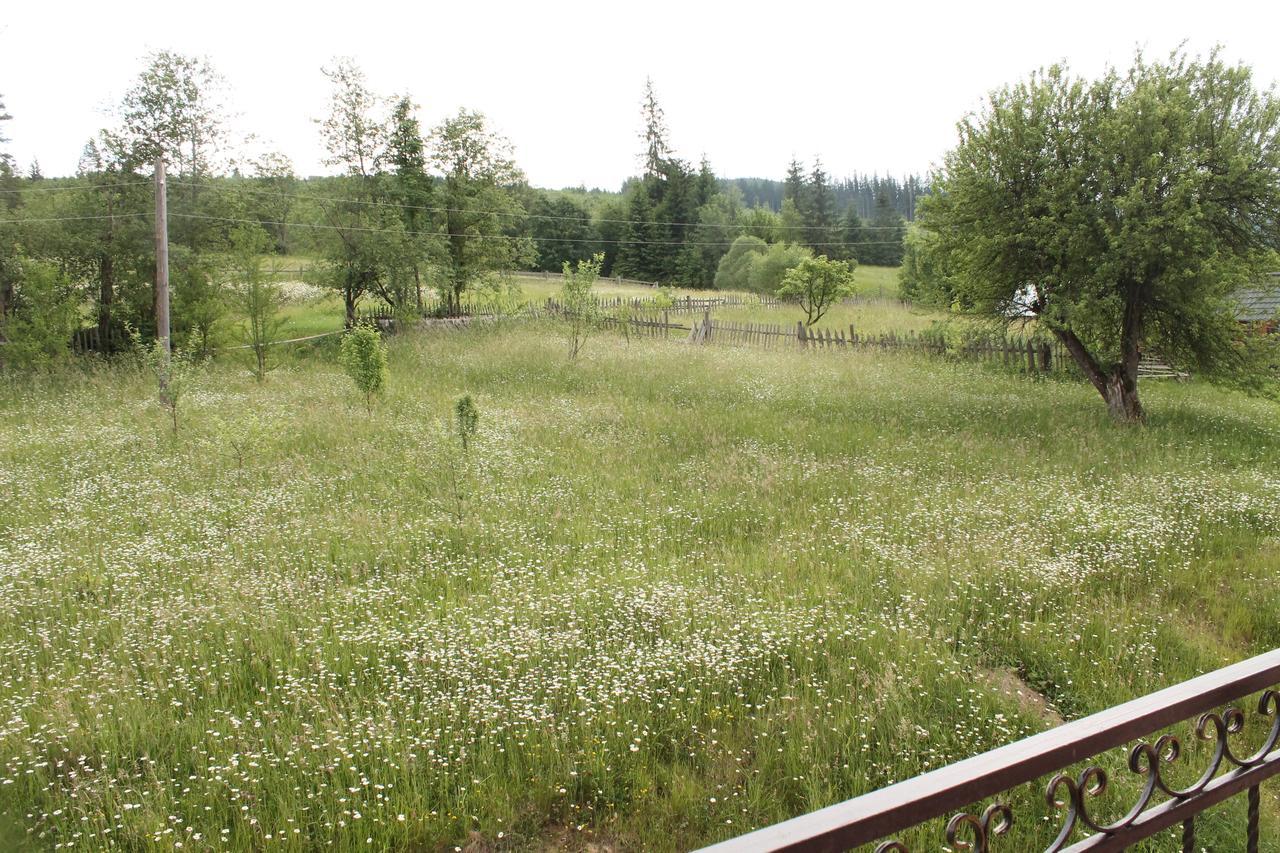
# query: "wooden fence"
1018,353
683,305
88,340
639,316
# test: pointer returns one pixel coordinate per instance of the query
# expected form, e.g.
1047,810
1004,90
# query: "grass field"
310,315
669,595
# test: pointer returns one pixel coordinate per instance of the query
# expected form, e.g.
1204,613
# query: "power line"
368,230
70,218
435,209
69,187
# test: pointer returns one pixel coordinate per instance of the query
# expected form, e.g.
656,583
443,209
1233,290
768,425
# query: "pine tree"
793,187
654,134
887,233
851,235
637,257
819,211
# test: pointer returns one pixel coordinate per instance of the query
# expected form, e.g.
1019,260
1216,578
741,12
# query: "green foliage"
581,307
364,357
925,279
177,371
466,419
817,284
882,243
1121,211
479,197
199,302
38,317
734,270
767,271
257,297
561,229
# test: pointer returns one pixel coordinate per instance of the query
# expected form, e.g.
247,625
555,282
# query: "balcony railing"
1212,700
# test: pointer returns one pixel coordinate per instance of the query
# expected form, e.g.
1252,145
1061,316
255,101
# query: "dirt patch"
1007,682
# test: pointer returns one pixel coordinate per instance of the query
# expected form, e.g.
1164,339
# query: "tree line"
411,213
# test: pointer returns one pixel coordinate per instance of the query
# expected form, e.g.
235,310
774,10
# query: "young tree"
466,420
257,297
817,284
581,308
176,372
478,195
364,356
1119,212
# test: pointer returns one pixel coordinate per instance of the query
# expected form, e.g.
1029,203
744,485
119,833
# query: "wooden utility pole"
162,259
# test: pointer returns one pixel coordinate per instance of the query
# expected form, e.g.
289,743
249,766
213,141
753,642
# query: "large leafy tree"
478,195
1119,212
175,109
361,239
410,186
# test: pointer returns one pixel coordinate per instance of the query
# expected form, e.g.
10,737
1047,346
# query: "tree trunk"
106,296
1119,386
349,299
1122,396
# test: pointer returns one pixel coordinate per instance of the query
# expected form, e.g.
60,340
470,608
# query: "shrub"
364,356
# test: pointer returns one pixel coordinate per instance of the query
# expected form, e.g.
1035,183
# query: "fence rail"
639,315
890,811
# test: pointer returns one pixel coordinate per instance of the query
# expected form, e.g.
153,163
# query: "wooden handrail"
906,804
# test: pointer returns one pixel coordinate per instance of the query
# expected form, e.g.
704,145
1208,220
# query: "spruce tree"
654,134
819,211
641,235
852,235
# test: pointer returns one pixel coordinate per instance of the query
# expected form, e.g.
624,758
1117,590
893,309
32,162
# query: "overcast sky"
868,88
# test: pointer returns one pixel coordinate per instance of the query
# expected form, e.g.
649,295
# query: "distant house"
1260,303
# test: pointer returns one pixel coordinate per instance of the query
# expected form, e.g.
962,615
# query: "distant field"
869,316
671,594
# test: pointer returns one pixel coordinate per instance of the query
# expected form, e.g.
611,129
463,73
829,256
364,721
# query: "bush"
768,270
37,330
364,357
735,266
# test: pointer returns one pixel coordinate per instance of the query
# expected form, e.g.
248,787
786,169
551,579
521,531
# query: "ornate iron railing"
1211,700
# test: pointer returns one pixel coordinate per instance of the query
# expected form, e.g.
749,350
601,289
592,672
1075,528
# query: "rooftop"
1259,302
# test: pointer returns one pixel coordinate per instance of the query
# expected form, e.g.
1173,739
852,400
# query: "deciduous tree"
1119,212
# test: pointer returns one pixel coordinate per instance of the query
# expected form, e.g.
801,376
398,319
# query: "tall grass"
694,591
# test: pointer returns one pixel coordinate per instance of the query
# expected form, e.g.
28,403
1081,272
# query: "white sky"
869,88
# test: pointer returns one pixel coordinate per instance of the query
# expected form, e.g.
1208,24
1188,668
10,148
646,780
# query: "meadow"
669,594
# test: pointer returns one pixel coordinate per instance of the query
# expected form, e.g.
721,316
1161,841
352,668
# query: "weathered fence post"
1031,357
800,333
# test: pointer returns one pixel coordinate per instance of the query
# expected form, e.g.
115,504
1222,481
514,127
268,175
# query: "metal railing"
1160,805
